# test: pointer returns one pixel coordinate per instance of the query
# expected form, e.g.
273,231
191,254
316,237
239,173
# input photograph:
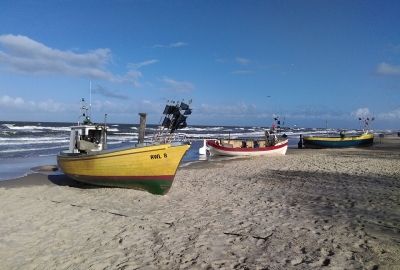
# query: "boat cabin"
87,138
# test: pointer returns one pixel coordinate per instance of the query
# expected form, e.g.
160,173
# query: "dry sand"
310,209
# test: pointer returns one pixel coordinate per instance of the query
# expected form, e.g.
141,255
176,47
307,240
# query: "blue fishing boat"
364,139
338,142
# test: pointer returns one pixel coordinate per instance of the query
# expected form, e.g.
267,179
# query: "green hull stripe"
154,184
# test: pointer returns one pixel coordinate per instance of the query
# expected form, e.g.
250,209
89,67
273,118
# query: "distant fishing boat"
276,146
338,142
149,166
271,144
342,140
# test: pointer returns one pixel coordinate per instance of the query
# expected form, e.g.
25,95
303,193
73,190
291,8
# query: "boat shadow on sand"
57,177
63,180
45,175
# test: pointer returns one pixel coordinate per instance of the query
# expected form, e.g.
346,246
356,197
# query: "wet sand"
310,209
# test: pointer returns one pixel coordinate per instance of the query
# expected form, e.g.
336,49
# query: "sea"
28,145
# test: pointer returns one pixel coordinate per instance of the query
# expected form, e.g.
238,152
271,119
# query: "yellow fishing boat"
147,166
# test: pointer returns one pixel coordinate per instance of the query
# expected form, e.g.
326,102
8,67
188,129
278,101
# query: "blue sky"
240,62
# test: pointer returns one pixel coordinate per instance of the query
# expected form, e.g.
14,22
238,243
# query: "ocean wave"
35,128
35,139
15,150
30,140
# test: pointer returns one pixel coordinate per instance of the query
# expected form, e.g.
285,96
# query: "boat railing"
167,138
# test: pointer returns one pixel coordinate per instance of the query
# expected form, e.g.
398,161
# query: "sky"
311,63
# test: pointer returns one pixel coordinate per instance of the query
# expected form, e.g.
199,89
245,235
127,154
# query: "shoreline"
388,143
309,209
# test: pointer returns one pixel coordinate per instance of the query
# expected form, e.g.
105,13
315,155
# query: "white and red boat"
275,146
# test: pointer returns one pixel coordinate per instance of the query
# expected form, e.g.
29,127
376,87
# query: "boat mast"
326,124
83,110
365,123
90,100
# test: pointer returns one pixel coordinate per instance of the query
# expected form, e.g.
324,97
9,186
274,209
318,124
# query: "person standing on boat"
267,141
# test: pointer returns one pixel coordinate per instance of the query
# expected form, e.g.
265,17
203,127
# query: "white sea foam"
35,128
15,150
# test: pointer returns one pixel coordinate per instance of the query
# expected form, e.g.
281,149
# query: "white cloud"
23,55
383,116
21,106
178,44
393,115
51,106
361,112
139,65
385,69
24,48
8,101
172,45
243,61
175,86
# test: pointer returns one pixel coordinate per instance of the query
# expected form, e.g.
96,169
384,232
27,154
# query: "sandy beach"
309,209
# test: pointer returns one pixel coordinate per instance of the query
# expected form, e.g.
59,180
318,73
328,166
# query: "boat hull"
278,149
338,142
151,168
